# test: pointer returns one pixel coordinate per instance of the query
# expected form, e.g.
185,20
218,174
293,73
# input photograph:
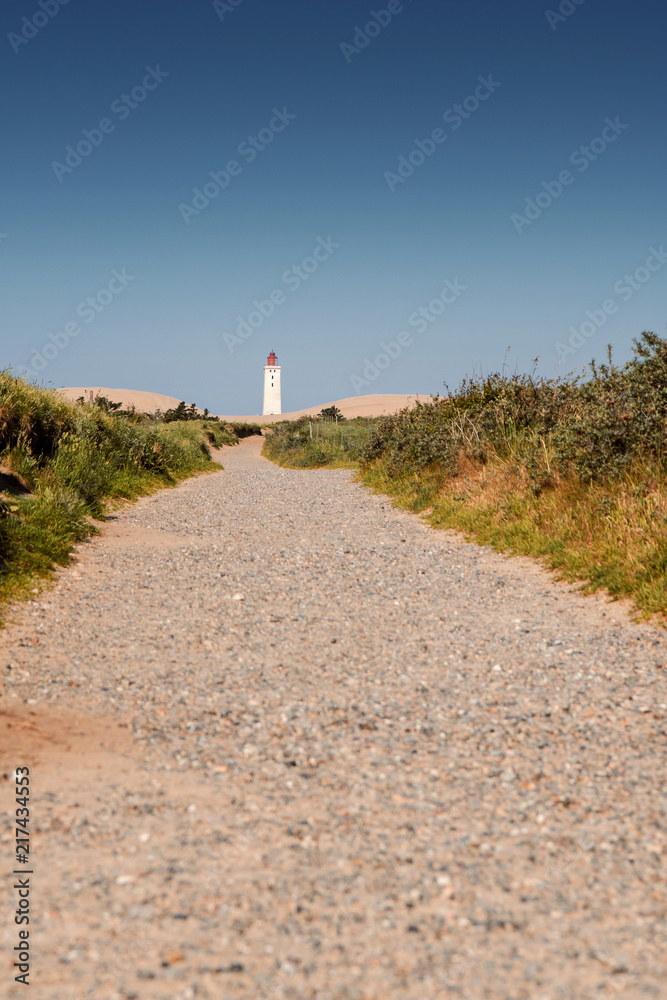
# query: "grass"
63,464
572,472
319,443
241,430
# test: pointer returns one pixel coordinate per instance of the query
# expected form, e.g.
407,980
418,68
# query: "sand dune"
353,406
144,402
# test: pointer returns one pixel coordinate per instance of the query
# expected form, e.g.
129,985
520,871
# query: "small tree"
331,413
182,412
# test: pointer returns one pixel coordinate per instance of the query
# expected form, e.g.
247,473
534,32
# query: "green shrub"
242,430
595,428
74,459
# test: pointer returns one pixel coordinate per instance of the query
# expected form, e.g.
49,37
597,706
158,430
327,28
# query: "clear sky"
331,127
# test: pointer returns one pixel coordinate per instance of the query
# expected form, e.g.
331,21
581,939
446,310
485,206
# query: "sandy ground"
288,743
355,406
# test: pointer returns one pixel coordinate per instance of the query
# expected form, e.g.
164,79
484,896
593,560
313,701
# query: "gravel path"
288,742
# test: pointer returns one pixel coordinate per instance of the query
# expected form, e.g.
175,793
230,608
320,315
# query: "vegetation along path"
288,742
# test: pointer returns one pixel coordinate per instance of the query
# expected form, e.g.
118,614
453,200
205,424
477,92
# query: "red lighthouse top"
271,360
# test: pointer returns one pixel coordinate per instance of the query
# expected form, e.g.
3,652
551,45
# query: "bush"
594,428
74,459
245,430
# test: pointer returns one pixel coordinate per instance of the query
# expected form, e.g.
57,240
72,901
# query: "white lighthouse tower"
271,385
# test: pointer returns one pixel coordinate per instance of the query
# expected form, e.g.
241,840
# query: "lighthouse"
271,385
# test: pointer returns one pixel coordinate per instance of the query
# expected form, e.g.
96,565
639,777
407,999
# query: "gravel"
288,742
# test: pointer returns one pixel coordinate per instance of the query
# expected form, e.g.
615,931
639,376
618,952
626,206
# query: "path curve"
288,742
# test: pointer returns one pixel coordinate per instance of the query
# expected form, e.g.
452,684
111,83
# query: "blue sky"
337,109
